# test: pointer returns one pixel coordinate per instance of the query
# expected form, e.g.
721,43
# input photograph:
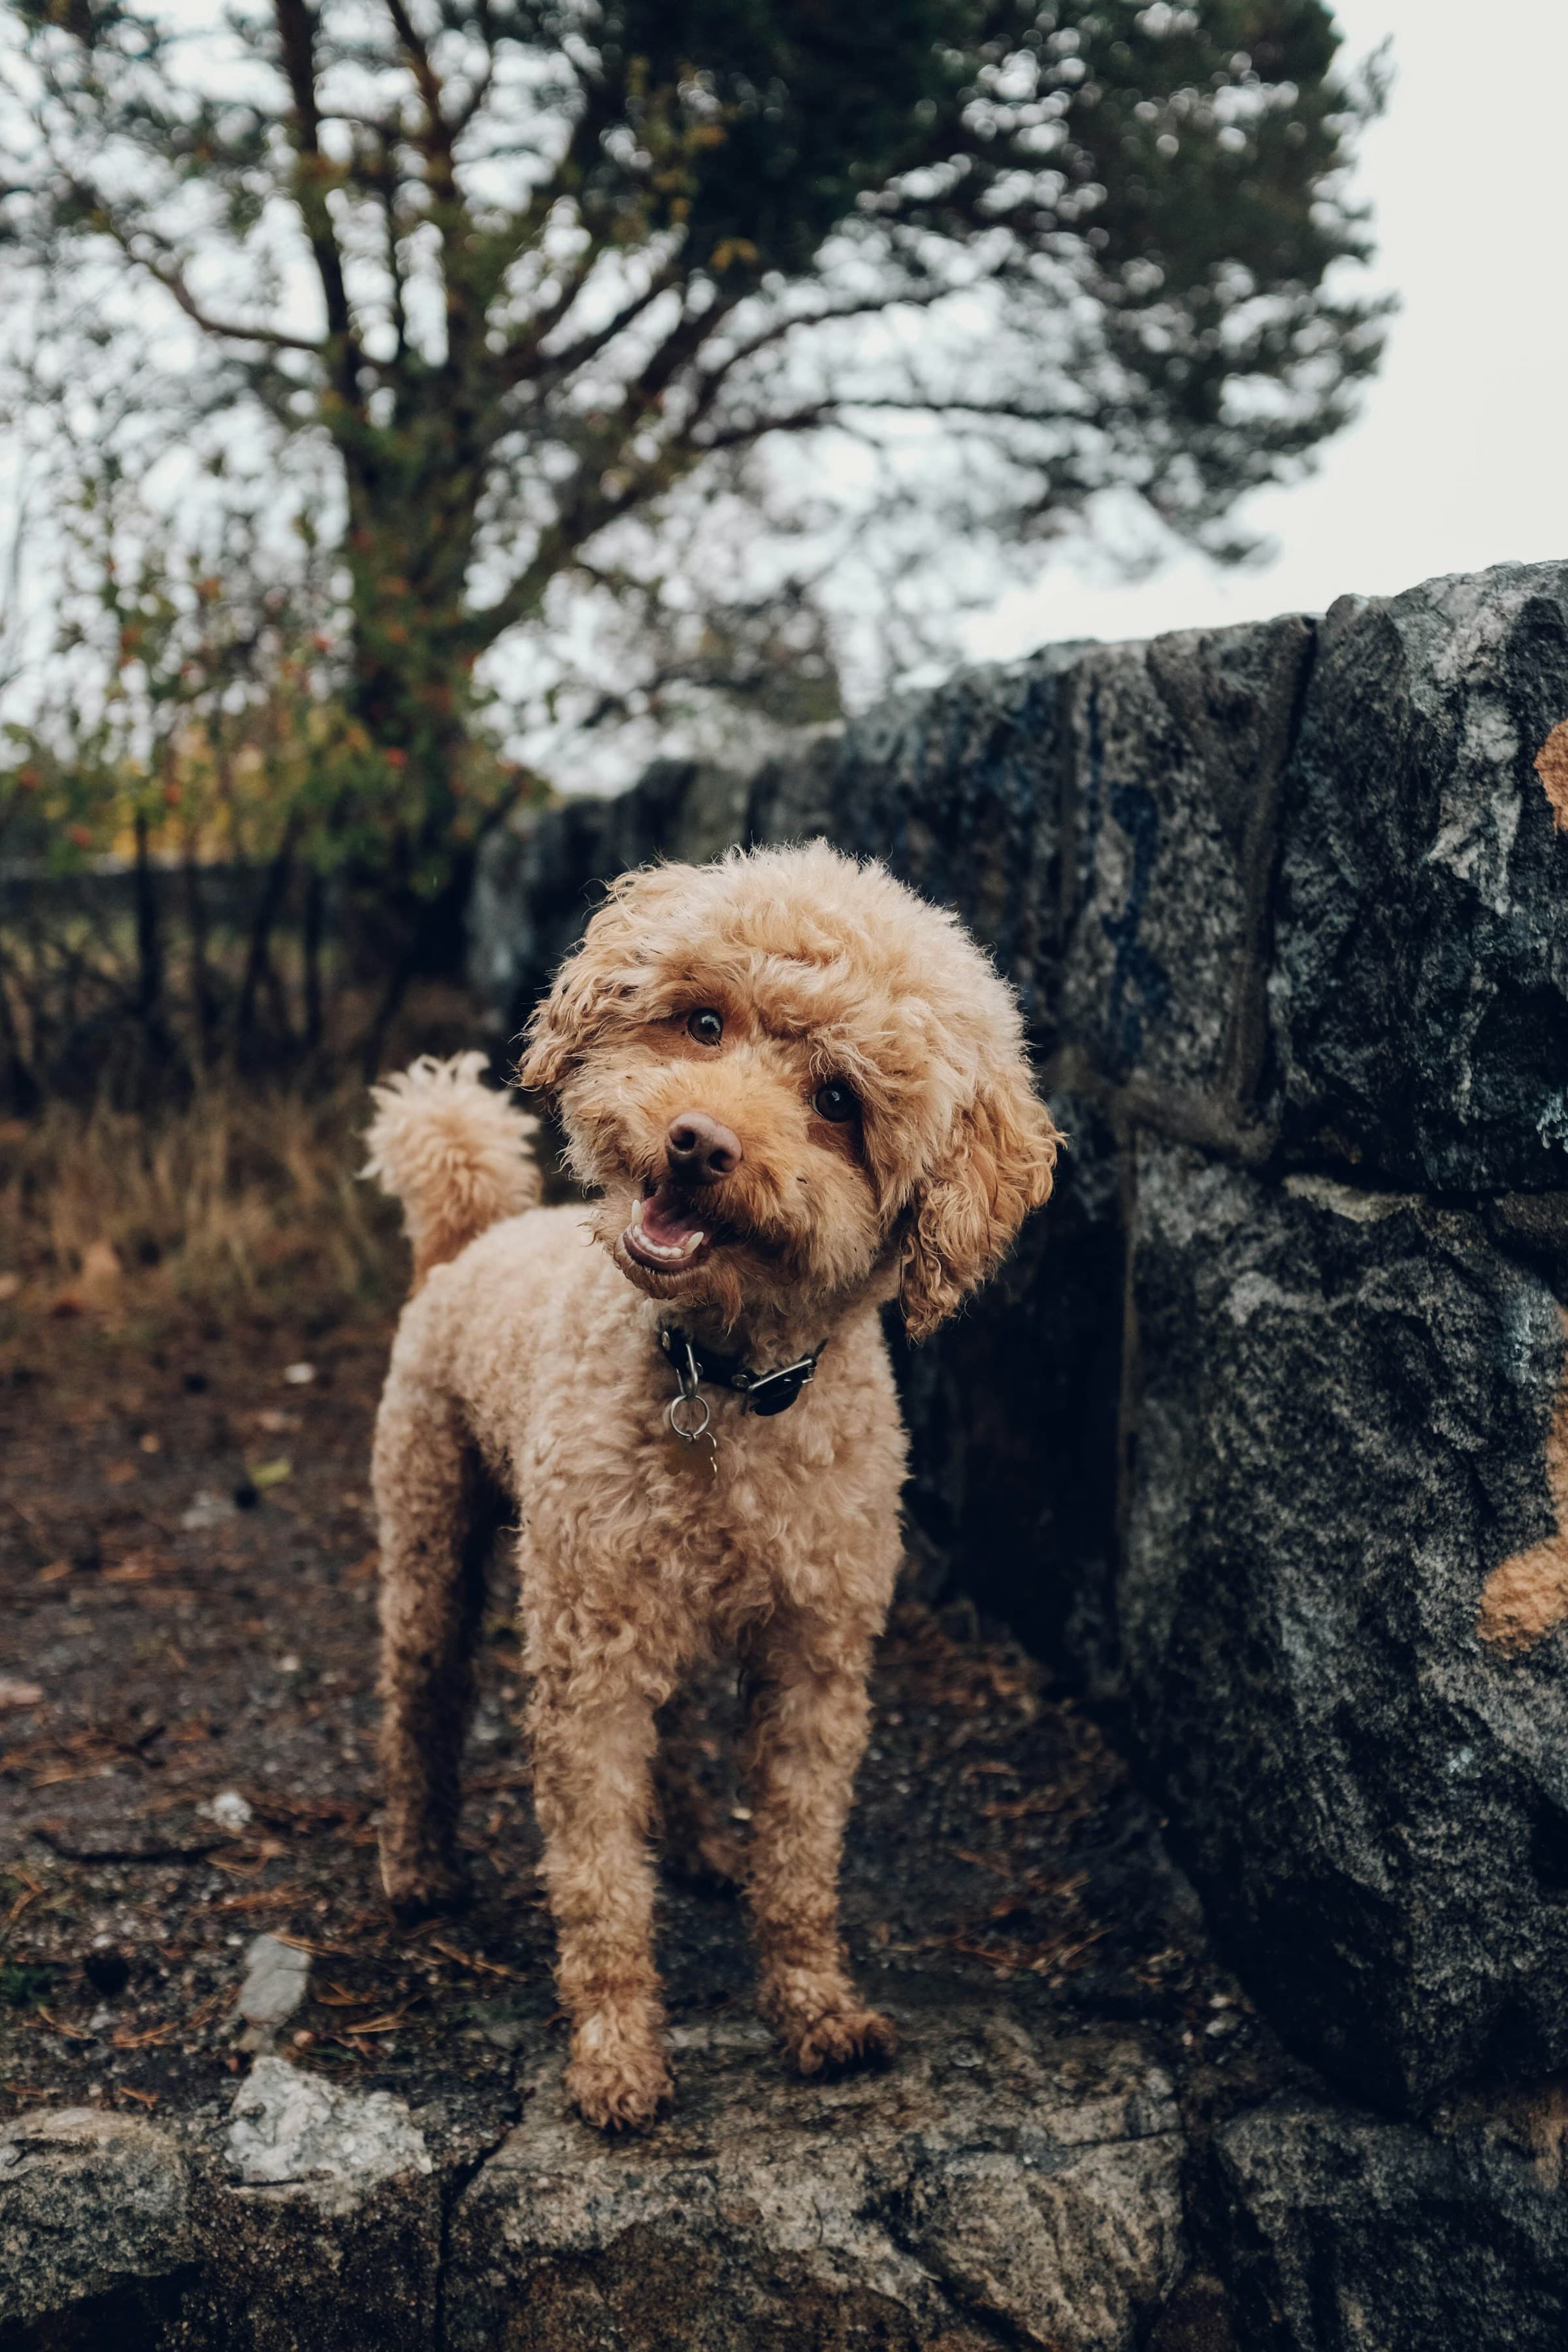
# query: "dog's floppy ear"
997,1167
602,973
563,1023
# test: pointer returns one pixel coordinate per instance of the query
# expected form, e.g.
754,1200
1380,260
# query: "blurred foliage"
195,826
197,709
526,300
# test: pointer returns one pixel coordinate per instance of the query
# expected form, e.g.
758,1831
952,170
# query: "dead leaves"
58,2025
264,1898
472,1960
151,2035
50,1760
32,1888
244,1860
305,1816
97,1283
140,1568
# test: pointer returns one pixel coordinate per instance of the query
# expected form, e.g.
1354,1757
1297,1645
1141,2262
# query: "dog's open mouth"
670,1230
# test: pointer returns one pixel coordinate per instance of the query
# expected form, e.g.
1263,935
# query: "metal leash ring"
688,1396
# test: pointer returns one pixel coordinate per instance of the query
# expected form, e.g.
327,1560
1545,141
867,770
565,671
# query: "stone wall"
1260,1433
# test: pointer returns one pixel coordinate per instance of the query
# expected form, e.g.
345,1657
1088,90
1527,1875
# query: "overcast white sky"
1460,458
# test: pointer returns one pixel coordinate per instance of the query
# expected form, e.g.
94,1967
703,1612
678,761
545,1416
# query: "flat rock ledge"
995,2188
1004,2185
1000,2185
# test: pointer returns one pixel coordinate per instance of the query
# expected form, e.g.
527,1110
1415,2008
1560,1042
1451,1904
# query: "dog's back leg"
438,1516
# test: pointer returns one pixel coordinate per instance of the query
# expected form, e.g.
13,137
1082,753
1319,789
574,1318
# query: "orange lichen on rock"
1552,767
1524,1598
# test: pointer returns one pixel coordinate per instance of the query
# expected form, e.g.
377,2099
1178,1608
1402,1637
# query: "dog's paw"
430,1892
841,2041
623,2092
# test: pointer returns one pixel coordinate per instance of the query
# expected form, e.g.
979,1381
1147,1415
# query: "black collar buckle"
765,1393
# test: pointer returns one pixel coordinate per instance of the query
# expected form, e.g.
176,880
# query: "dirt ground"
188,1594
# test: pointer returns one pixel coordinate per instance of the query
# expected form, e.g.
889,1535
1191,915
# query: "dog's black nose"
699,1151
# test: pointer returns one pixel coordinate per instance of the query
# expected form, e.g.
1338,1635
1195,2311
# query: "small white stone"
275,1979
290,2126
298,1375
229,1809
207,1510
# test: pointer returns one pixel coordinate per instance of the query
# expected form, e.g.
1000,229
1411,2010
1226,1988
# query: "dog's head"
794,1082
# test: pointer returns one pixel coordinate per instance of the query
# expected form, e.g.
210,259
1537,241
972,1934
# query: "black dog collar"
765,1393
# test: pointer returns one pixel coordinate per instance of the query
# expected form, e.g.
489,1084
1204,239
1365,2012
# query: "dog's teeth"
672,1252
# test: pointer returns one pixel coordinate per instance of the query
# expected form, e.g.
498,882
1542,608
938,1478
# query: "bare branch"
296,25
427,79
869,306
169,275
556,366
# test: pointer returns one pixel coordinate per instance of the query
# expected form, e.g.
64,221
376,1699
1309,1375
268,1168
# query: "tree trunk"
22,1089
156,1043
257,961
314,922
203,1006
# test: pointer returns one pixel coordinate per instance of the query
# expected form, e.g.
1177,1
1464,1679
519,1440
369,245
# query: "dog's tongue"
667,1219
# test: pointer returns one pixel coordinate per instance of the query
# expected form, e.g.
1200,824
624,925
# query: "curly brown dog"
797,1091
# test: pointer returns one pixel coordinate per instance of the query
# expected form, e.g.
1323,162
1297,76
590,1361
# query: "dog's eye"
706,1025
835,1101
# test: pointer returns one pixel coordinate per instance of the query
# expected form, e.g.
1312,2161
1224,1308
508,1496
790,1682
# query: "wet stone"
88,2201
1342,1434
1419,991
998,2176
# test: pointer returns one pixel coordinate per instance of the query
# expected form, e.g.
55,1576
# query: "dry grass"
243,1197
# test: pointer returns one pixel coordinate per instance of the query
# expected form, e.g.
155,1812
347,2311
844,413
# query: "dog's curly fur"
526,1366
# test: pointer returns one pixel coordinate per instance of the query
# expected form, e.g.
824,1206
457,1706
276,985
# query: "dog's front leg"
805,1737
594,1794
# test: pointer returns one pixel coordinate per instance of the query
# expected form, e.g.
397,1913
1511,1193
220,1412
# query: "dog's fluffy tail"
455,1152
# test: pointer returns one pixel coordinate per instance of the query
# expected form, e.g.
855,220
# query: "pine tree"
531,269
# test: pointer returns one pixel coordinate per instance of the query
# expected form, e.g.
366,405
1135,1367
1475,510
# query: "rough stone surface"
1353,2233
961,789
1179,751
997,2188
1004,2184
1341,1430
1026,1379
290,2126
1420,988
276,1977
88,2201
